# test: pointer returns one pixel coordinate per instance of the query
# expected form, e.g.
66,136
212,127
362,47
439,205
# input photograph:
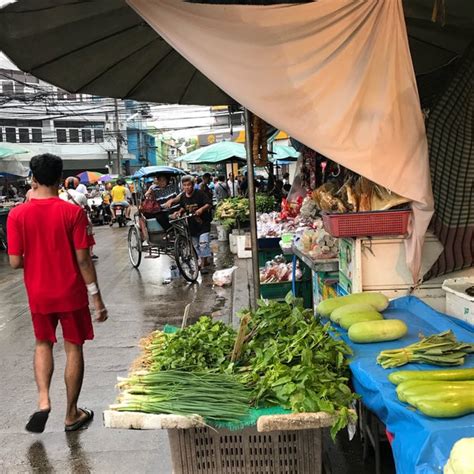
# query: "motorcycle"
99,213
96,214
120,217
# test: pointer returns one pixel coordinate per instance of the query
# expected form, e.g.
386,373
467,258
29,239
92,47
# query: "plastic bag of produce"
223,277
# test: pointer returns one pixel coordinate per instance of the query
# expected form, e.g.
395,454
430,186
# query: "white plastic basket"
458,303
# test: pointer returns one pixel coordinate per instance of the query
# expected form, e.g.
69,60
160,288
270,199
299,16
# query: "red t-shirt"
46,233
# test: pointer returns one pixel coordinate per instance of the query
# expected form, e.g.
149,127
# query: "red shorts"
76,326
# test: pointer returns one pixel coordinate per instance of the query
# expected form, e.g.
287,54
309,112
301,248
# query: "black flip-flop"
82,423
37,421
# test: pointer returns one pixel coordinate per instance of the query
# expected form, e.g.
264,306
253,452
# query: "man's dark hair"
121,182
207,175
70,183
166,176
221,177
46,168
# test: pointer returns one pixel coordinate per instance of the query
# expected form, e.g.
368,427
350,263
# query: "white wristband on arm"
92,289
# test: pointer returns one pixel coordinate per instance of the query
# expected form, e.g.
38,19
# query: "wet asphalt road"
138,303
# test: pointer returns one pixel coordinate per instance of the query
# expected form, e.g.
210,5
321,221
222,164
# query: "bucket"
222,233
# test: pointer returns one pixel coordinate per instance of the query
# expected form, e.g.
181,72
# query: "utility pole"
117,137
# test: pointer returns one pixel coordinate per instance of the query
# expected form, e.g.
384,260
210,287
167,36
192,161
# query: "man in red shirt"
48,238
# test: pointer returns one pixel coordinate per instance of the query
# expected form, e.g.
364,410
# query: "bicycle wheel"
186,258
134,246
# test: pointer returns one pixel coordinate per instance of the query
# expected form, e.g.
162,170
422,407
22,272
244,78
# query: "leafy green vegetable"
264,203
230,211
203,346
291,360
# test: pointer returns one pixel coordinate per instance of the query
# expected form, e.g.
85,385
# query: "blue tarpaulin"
421,444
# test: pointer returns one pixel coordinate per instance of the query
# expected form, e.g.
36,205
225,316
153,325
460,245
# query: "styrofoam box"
244,249
458,303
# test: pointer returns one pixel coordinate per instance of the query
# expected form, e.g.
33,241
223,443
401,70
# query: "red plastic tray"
361,224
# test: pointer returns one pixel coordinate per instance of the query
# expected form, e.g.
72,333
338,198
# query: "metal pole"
117,137
253,211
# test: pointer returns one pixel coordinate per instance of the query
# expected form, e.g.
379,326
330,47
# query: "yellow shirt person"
119,193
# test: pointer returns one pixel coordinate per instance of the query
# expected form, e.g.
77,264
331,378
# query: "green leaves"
204,346
293,361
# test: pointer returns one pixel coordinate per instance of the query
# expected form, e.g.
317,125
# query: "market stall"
228,398
420,443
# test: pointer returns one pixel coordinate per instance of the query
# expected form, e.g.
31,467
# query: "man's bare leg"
73,376
44,367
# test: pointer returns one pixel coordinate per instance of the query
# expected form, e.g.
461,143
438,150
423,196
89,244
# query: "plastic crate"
265,255
278,291
208,451
268,243
361,224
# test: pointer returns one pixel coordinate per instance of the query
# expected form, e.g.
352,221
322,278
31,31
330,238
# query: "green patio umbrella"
284,152
217,153
9,150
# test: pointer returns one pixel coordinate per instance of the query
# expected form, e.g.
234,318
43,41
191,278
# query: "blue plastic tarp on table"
421,444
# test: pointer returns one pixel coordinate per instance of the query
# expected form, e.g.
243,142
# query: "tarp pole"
253,211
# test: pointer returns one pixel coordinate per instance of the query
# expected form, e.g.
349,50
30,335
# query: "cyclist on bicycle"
196,202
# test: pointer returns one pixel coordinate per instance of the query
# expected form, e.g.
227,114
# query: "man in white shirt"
72,194
81,188
233,186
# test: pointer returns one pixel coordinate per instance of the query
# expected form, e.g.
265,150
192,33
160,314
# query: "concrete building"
88,132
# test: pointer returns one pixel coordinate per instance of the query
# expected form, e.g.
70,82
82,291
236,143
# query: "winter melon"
338,313
377,300
377,331
349,319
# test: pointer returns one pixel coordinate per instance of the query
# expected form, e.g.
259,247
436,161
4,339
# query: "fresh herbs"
291,360
202,347
439,349
231,211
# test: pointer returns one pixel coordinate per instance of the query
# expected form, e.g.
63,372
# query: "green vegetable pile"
217,397
204,346
231,211
292,361
282,356
439,349
264,203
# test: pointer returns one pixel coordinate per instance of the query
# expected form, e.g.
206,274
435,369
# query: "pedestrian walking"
233,185
49,239
221,189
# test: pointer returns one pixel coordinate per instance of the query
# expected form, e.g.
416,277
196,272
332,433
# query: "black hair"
158,176
121,182
207,175
46,169
221,177
70,183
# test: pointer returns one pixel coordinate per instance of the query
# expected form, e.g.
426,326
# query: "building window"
19,89
98,135
74,135
7,87
24,135
86,136
37,135
61,135
10,135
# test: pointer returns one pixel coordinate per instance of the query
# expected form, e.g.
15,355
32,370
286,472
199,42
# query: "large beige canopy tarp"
335,74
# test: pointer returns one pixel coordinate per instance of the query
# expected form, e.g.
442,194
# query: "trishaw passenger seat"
153,226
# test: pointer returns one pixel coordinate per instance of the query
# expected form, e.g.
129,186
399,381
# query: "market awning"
104,48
